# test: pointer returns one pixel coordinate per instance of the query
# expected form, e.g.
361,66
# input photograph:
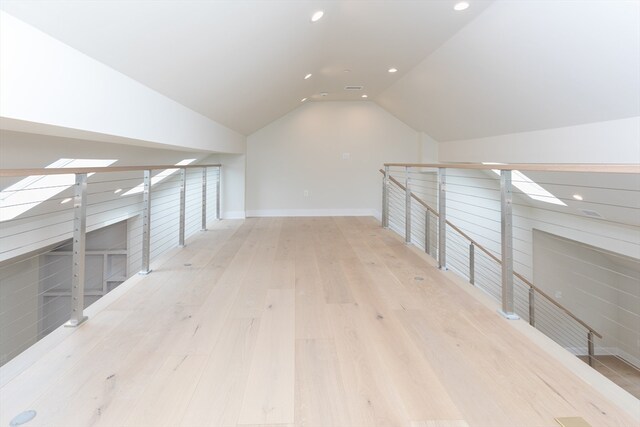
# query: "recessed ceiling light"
577,197
365,96
118,190
346,70
303,99
324,93
317,15
308,76
463,5
393,70
67,200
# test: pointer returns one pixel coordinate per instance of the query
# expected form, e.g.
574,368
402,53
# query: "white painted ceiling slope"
497,68
242,63
526,65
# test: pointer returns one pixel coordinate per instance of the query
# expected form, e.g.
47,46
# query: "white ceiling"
497,68
242,63
526,65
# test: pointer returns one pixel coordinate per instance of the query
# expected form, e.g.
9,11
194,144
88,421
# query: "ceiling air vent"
353,88
592,214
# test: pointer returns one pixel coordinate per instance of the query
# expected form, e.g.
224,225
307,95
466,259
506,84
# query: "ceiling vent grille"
591,213
353,88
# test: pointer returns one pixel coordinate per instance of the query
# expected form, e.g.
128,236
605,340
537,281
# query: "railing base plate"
73,324
509,316
144,273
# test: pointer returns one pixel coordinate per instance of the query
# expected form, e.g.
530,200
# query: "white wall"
628,286
333,151
19,150
588,282
232,203
44,81
616,141
50,222
18,307
429,149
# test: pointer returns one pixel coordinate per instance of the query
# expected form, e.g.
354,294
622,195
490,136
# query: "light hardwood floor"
299,322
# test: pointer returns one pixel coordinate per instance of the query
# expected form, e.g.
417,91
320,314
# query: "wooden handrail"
59,171
495,258
541,167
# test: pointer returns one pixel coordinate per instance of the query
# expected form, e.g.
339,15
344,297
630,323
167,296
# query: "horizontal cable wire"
571,214
165,227
67,269
601,267
35,243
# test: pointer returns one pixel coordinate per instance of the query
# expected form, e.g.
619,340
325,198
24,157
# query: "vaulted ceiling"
526,65
497,67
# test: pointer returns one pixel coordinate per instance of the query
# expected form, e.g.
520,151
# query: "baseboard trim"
599,351
313,212
233,215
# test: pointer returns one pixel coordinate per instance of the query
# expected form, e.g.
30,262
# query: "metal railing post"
532,307
203,226
427,232
506,225
407,208
218,214
385,198
590,347
183,197
146,223
78,258
472,264
442,221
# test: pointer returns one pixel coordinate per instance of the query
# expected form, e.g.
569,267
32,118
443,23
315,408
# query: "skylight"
529,187
33,190
159,177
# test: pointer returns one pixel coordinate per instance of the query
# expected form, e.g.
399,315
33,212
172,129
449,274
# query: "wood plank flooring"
314,322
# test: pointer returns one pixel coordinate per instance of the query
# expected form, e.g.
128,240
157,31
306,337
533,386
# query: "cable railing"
557,246
65,246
